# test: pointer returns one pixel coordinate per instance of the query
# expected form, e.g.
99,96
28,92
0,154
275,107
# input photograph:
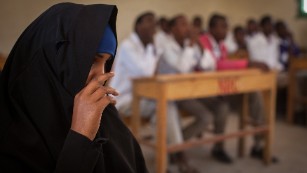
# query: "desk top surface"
200,75
205,84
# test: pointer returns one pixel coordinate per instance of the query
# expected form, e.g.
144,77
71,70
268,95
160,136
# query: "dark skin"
182,30
282,32
267,29
259,65
147,29
90,102
219,31
198,23
164,26
251,27
240,39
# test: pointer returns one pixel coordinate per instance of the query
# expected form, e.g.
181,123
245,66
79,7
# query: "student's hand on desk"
259,65
89,104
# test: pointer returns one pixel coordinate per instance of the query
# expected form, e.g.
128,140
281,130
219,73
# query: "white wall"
15,15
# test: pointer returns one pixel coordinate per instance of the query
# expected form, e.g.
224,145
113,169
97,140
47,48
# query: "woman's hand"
89,104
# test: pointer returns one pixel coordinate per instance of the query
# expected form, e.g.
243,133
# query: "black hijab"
46,68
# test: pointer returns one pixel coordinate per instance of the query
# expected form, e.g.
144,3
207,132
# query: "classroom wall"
15,15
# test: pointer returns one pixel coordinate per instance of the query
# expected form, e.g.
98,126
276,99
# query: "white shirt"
265,49
248,37
230,43
176,59
132,60
215,47
161,38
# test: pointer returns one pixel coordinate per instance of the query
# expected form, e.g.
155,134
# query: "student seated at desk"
137,57
264,47
162,35
252,28
240,49
182,55
215,49
213,42
287,45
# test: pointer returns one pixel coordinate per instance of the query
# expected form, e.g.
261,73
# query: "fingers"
105,101
103,91
104,77
95,83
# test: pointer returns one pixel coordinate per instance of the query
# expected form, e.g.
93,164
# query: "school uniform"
180,60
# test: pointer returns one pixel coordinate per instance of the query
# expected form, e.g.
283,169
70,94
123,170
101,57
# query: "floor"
290,147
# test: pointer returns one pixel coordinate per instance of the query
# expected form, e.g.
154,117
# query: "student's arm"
137,63
183,62
207,61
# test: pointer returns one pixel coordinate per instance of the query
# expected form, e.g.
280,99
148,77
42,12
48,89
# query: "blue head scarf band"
108,42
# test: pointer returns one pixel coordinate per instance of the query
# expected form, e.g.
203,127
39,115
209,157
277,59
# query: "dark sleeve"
79,154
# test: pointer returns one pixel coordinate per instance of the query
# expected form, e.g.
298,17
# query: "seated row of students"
183,54
182,49
272,45
208,53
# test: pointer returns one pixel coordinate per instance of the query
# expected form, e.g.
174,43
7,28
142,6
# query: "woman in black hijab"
56,114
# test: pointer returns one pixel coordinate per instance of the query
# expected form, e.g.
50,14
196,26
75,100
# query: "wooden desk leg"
269,102
291,94
161,153
242,124
136,120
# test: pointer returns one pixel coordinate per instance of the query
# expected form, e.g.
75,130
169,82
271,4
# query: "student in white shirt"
183,56
264,46
137,57
162,35
252,28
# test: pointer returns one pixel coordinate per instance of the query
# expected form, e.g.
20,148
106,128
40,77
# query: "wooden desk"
165,88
